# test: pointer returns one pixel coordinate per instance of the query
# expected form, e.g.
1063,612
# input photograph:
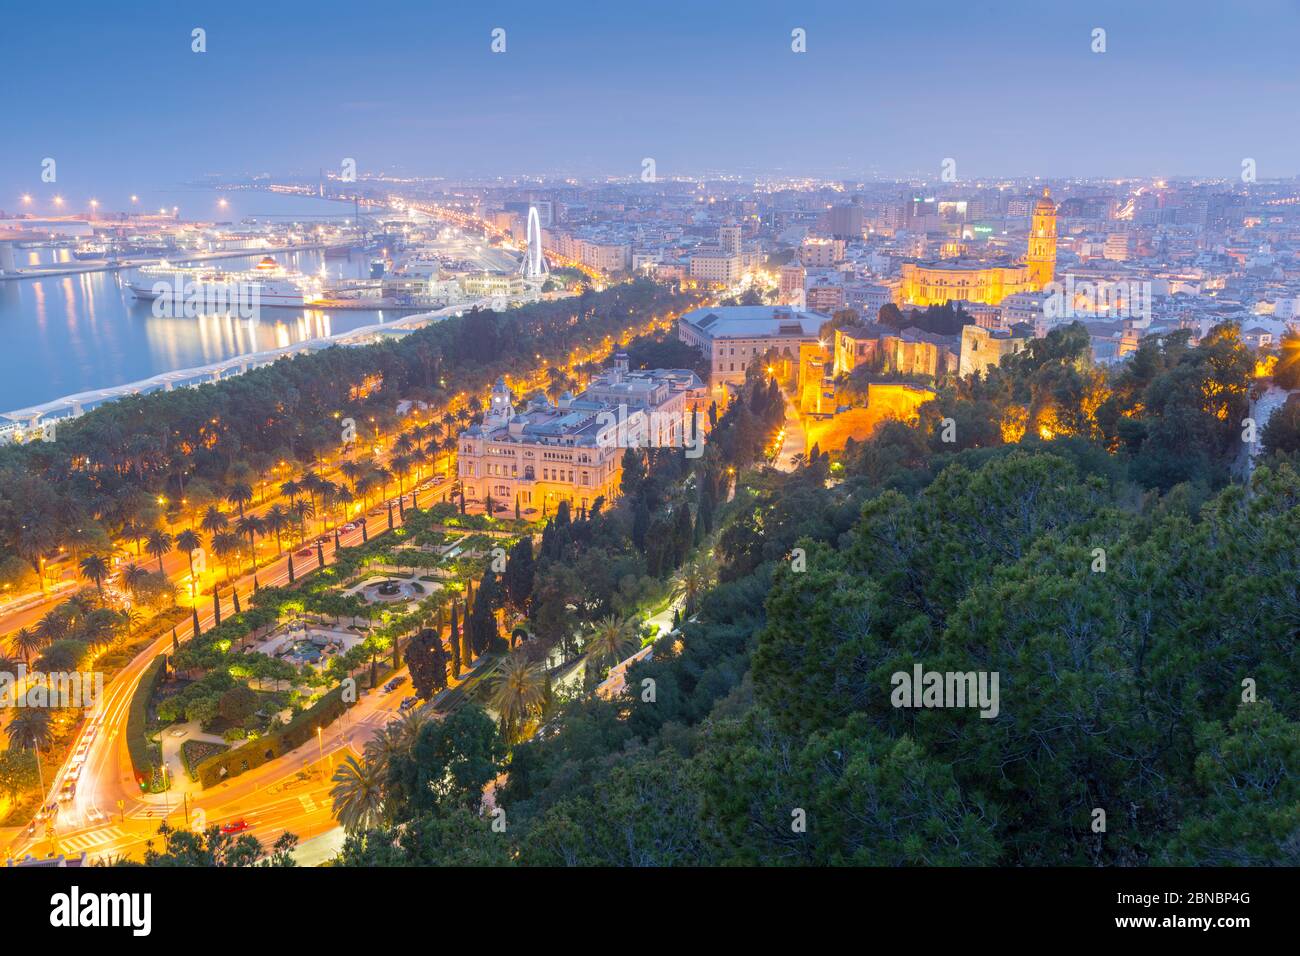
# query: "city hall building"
572,450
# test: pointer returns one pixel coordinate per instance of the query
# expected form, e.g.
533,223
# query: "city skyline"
683,435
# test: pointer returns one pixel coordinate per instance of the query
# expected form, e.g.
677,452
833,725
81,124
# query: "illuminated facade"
1041,259
934,283
988,283
572,450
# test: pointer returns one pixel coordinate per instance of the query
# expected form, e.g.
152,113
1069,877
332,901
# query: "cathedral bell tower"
1041,260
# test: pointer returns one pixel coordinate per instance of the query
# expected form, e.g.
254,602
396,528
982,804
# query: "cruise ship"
268,284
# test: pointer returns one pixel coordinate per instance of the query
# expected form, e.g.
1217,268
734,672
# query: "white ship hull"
200,290
238,294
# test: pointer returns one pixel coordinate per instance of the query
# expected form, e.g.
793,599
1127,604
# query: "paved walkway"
172,739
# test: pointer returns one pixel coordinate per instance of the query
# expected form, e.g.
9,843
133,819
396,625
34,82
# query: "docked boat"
204,290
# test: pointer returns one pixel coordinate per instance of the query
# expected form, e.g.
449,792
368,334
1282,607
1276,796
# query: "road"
109,814
794,441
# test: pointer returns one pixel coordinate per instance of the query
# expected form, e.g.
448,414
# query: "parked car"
393,684
234,826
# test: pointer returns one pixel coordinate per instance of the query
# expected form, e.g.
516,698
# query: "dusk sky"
121,102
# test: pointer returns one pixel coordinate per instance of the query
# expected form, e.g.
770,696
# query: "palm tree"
30,730
345,497
240,494
304,510
291,490
250,525
358,795
225,545
401,465
410,724
610,640
158,543
275,521
384,476
133,576
214,520
27,642
189,542
382,747
311,483
133,531
697,578
352,471
362,488
52,627
519,691
33,540
95,567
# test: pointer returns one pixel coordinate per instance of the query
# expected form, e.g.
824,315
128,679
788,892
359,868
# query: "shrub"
144,757
277,743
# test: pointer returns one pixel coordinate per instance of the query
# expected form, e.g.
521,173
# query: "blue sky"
114,93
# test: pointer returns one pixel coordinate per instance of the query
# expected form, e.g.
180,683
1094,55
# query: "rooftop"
754,321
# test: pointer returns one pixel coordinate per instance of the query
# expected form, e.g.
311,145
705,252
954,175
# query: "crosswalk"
91,839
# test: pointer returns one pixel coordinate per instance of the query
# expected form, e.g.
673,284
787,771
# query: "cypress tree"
454,641
683,532
640,523
216,607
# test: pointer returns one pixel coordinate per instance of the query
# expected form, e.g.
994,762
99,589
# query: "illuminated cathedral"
983,281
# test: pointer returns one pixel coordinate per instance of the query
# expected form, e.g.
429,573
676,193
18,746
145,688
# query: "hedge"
275,744
137,720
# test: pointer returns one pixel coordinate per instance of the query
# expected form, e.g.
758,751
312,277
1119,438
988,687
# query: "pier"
106,265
